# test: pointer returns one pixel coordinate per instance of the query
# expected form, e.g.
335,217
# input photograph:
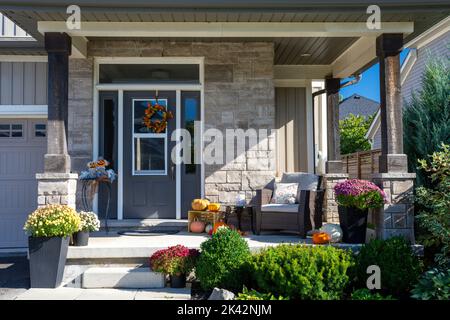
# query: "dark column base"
57,163
393,163
334,166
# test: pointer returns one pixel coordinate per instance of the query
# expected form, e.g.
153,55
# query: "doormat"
148,232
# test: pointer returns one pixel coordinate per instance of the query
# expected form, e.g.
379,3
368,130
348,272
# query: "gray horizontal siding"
438,48
23,83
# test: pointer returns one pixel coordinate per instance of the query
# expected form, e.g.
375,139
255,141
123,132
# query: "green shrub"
434,206
366,294
53,221
302,272
433,285
255,295
399,266
222,261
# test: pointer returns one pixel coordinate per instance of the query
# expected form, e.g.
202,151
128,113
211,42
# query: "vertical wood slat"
361,165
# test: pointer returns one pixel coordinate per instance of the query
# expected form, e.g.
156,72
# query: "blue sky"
369,86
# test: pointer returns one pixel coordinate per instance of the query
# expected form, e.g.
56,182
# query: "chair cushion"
285,193
306,181
275,207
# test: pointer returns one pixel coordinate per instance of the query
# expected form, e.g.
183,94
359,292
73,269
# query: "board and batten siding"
290,120
438,48
23,83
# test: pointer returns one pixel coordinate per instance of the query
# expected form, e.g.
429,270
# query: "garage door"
22,148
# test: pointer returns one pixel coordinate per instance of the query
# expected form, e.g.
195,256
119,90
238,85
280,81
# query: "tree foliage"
353,130
426,119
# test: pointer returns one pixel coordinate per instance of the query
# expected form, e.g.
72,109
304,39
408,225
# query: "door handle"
172,171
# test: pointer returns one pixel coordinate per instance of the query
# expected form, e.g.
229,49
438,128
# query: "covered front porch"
278,72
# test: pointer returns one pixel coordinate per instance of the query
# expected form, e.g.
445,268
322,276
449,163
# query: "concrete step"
123,278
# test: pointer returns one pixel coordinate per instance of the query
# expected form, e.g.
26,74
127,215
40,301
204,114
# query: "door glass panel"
149,147
149,155
190,115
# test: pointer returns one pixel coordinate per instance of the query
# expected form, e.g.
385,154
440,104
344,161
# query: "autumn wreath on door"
156,116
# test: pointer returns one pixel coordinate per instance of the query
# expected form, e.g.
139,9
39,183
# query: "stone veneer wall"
239,93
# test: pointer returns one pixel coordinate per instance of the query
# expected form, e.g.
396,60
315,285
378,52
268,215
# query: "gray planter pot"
47,261
81,238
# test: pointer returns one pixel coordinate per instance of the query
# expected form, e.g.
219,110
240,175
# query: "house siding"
23,83
438,48
376,143
239,93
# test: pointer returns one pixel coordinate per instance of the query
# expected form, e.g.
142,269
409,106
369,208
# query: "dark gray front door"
149,173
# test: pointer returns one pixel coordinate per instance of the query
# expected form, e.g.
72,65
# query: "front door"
149,177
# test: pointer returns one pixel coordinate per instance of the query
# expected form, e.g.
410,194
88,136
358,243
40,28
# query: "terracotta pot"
197,227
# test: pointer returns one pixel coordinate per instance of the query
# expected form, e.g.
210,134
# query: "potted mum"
355,198
49,229
89,223
176,261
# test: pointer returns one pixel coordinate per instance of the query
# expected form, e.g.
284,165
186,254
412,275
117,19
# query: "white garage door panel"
20,159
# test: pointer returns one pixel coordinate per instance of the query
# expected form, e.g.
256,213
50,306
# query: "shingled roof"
358,105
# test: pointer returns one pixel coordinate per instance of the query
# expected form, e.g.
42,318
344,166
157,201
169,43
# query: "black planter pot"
47,261
178,281
81,238
353,222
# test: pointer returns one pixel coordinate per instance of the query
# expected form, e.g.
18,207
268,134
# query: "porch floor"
111,245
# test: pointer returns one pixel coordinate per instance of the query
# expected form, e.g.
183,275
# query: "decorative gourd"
200,204
197,226
217,225
321,238
214,207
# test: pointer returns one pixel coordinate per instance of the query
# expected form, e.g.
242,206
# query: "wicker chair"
301,217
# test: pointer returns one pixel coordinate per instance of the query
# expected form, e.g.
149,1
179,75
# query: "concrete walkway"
14,276
64,293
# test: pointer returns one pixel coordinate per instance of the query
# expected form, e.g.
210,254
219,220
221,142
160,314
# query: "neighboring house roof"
357,105
434,42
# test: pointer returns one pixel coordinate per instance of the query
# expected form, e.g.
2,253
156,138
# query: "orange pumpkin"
200,204
214,207
217,225
197,226
321,238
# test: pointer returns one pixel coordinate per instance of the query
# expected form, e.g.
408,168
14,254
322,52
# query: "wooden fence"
361,165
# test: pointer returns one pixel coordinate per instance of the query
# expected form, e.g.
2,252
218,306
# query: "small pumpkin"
200,204
217,225
197,226
214,207
321,238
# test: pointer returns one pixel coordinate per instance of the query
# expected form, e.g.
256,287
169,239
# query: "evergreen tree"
426,119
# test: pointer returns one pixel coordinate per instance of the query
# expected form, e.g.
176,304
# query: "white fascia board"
426,37
23,111
356,57
285,72
225,29
407,65
374,126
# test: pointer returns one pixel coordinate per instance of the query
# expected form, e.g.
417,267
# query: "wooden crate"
204,216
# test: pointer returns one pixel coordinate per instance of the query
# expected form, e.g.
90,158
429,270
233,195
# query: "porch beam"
334,163
58,47
360,54
293,72
79,47
225,29
392,158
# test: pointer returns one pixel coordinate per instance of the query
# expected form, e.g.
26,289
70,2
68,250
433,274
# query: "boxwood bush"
222,261
302,272
399,266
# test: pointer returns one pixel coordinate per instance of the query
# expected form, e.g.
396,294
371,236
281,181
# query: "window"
149,149
11,131
149,73
40,130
